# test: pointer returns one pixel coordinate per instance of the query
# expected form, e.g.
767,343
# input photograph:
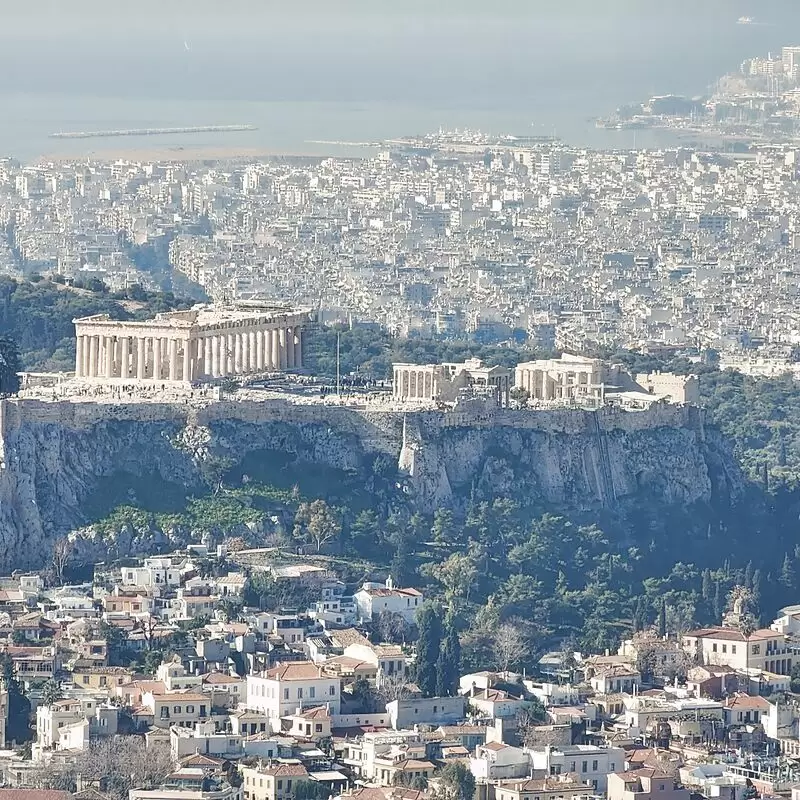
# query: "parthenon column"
250,340
85,370
141,353
282,347
79,357
173,359
260,341
275,350
187,359
156,358
109,357
229,354
214,356
289,339
125,357
298,347
237,353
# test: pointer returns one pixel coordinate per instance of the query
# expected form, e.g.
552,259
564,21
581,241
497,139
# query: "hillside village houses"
252,703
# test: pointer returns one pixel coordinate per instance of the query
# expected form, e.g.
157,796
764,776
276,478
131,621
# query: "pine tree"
662,619
429,642
448,667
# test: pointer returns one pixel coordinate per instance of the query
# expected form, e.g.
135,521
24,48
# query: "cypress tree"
448,667
639,615
748,575
708,593
429,642
787,576
662,619
718,607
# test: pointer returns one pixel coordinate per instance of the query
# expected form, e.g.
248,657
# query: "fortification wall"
57,455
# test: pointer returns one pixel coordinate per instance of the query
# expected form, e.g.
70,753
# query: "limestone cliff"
54,454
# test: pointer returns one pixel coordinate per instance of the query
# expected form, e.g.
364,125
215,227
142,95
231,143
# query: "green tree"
443,528
305,789
448,667
429,641
51,692
457,782
788,577
365,531
317,522
9,366
662,619
152,661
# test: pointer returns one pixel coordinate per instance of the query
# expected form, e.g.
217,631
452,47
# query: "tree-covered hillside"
39,314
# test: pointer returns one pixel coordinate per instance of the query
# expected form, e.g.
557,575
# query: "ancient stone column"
215,356
79,356
187,360
141,353
173,359
289,334
298,348
282,348
109,357
237,353
275,350
250,338
125,357
260,336
157,358
229,354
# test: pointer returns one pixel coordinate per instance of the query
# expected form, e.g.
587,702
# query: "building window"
733,649
714,647
300,694
332,690
190,709
176,709
756,649
285,694
312,692
724,648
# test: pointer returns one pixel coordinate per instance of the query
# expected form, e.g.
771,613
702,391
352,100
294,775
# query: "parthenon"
205,342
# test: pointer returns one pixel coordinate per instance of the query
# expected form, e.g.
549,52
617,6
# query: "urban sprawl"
162,676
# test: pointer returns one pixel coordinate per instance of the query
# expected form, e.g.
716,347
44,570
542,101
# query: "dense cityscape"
465,466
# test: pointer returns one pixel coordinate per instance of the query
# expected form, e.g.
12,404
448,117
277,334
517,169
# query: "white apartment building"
156,571
591,764
373,599
764,649
280,691
67,724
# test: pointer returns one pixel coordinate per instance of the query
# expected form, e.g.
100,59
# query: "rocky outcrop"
55,455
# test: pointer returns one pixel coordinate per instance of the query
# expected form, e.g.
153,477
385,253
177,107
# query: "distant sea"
372,78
